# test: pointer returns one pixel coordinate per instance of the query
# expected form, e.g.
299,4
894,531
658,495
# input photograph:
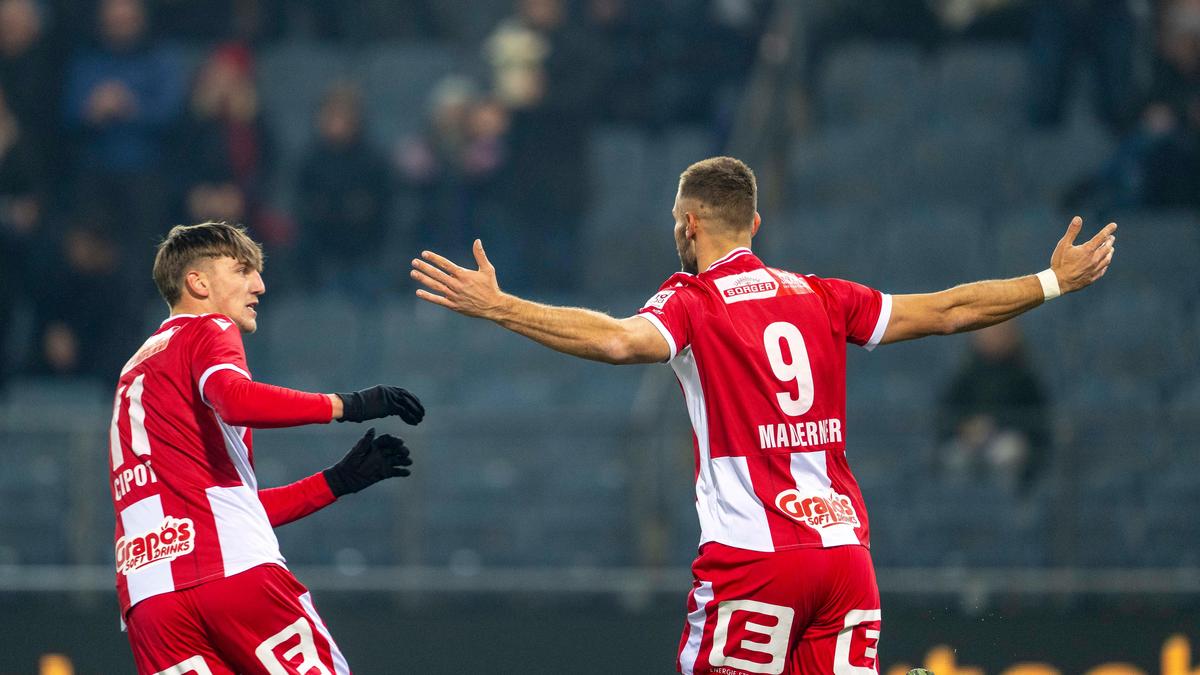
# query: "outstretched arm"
570,330
242,402
984,303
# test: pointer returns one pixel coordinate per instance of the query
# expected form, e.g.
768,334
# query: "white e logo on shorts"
866,620
306,649
777,636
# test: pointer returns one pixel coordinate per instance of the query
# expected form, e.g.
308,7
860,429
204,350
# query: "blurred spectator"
343,198
22,211
1065,30
29,76
452,168
995,423
121,99
544,71
1158,162
223,149
83,318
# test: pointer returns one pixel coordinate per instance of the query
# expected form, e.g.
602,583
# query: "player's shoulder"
680,284
203,327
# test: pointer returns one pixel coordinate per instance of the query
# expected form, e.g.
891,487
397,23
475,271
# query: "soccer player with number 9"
784,581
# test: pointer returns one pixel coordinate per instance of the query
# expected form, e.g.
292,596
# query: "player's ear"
196,283
756,224
692,221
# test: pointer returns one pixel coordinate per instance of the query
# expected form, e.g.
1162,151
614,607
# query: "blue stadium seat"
872,84
867,166
931,248
292,78
397,80
984,81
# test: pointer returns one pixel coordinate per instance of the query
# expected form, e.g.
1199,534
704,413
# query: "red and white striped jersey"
187,504
761,356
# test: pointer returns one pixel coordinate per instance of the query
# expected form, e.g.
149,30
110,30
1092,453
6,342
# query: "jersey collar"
177,316
734,254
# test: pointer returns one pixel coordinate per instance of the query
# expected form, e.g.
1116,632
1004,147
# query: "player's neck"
190,306
708,253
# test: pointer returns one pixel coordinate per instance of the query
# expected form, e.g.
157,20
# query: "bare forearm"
984,303
570,330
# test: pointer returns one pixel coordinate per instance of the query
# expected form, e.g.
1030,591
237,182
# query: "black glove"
368,462
380,401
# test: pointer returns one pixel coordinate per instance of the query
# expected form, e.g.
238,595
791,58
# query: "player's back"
183,483
760,354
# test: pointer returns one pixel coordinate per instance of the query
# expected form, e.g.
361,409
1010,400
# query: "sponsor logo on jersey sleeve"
172,538
753,285
659,300
818,511
792,282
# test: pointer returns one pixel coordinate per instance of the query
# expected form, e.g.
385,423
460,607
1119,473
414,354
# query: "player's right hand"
381,401
371,460
471,292
1078,266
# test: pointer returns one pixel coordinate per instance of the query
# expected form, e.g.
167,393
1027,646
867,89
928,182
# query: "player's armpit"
641,342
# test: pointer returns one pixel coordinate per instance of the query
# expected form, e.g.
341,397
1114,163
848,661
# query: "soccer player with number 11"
202,585
784,581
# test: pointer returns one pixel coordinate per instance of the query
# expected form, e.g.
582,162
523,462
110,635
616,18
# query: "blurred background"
1033,489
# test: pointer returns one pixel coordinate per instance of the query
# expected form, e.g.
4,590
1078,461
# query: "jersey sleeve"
217,346
292,502
864,311
669,312
223,381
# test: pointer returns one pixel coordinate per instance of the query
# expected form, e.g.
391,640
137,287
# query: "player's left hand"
469,292
371,460
1078,266
381,401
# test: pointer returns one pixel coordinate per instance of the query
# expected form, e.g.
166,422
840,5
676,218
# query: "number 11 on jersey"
139,474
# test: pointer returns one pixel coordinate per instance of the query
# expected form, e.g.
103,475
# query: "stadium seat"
931,248
292,79
872,84
983,81
398,80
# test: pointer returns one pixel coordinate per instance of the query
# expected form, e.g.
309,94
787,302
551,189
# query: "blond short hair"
186,245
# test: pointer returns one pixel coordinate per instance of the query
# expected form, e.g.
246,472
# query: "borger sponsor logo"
752,285
173,537
817,511
659,300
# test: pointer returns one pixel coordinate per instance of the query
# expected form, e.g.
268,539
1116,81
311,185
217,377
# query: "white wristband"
1049,283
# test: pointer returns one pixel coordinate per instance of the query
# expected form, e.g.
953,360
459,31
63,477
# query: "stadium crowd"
119,117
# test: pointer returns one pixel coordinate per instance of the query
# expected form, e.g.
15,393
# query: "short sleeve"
668,311
218,346
864,311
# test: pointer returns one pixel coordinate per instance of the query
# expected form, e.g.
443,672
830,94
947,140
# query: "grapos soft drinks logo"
818,511
172,538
